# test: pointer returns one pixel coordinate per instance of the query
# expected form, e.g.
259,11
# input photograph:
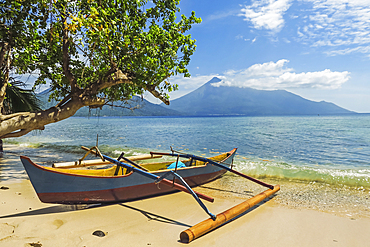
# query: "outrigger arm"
150,175
175,175
213,217
194,157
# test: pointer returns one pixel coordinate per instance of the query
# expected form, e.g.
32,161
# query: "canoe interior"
152,167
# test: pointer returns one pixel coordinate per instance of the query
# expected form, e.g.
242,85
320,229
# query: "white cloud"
266,14
338,27
271,75
239,36
265,76
221,15
187,85
342,25
360,49
286,40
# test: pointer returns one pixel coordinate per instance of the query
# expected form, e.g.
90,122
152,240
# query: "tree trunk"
19,124
6,49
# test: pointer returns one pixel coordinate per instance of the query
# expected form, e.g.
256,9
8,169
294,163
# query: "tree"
91,52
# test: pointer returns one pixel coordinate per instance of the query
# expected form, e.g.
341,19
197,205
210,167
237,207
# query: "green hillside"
134,107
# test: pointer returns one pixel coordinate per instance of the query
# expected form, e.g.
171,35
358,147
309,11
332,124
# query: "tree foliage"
19,99
92,52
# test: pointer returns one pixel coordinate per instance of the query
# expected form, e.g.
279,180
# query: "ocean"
326,157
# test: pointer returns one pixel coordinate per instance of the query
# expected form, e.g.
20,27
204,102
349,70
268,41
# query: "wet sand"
285,220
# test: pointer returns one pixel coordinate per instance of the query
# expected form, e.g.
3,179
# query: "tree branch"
19,133
21,123
6,117
6,78
156,94
65,57
3,50
63,101
118,77
2,95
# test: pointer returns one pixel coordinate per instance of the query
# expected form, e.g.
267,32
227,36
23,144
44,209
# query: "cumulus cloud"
276,75
266,14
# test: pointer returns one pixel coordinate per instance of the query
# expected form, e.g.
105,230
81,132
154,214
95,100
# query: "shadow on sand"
228,191
69,208
156,217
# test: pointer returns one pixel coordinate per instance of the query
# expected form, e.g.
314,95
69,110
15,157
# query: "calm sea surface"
330,149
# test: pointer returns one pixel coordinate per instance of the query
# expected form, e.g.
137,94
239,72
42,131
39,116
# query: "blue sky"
318,49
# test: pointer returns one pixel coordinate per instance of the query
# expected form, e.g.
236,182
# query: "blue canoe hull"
59,187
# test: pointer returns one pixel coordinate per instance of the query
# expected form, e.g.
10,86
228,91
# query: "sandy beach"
25,221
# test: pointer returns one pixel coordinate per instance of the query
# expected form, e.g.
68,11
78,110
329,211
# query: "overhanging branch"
21,132
156,94
9,116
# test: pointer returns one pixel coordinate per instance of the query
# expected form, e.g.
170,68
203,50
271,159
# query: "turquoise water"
329,149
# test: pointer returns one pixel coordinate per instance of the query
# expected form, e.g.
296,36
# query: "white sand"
25,221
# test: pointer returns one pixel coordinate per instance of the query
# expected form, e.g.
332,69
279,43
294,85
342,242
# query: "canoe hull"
65,188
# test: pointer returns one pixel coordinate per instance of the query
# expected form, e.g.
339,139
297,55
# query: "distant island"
209,100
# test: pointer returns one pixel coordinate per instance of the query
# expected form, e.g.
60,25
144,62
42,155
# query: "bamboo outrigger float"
126,181
209,224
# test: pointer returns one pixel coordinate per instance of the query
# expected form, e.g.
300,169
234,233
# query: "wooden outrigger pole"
97,162
209,224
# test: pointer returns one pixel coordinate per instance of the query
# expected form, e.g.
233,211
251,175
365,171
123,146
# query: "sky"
318,49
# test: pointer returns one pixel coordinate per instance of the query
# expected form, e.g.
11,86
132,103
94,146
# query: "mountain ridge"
209,100
223,100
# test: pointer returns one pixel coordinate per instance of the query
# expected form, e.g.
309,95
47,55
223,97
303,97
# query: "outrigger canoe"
130,181
122,181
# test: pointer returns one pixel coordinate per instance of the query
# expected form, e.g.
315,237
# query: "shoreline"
299,215
340,200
